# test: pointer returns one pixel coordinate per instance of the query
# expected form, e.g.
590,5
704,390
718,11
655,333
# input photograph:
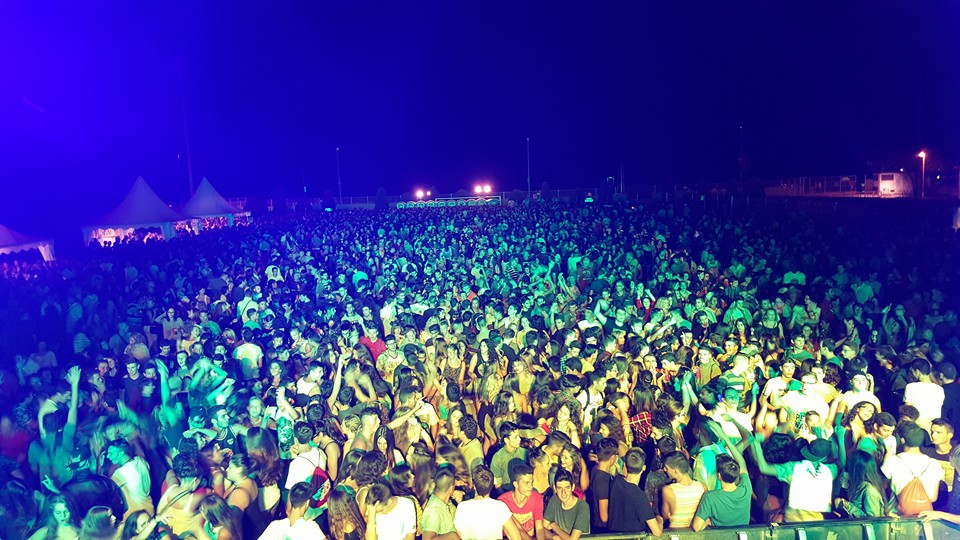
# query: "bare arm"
668,503
765,468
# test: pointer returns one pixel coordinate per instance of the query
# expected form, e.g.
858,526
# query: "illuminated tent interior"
140,209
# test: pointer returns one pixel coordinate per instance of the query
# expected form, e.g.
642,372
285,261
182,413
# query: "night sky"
445,93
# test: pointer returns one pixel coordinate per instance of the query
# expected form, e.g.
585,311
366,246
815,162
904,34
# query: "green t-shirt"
501,462
577,517
727,508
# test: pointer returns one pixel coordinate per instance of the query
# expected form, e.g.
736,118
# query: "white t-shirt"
902,468
801,403
775,385
250,356
134,477
811,484
927,398
481,519
281,529
302,466
399,522
849,399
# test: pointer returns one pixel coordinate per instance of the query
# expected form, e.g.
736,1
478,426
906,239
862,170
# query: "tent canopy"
140,208
12,241
207,202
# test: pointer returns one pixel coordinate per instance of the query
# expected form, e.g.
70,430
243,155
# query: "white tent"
140,209
12,241
207,203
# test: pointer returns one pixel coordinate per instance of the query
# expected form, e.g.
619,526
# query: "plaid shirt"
642,426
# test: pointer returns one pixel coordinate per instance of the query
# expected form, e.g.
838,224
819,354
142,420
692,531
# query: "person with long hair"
567,418
424,467
402,481
60,520
504,410
384,442
866,488
571,461
140,526
99,524
222,521
343,516
370,469
182,496
329,439
265,457
241,492
856,422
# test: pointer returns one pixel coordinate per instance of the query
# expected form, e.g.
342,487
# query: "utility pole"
529,192
622,191
339,182
186,132
741,158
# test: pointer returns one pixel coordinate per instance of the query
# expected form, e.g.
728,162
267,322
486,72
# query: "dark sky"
444,93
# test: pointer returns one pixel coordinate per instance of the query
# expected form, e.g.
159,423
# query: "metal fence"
877,529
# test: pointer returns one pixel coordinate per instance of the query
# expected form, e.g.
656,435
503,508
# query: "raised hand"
73,376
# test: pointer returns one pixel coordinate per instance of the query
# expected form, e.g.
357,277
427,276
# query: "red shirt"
530,513
376,349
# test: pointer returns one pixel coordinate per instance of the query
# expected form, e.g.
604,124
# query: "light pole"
923,173
339,182
528,168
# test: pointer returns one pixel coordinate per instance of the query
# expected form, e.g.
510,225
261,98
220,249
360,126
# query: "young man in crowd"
524,503
295,525
728,506
483,518
912,463
942,450
566,516
600,480
506,457
437,520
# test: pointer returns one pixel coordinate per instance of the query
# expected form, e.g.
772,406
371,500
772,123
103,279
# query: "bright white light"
429,194
486,188
419,193
922,155
478,189
901,169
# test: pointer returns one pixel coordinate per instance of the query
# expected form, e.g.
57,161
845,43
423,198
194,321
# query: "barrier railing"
841,529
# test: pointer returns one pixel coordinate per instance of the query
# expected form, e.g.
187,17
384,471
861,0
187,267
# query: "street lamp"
923,172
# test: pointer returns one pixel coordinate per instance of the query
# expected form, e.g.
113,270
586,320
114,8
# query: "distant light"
901,169
922,155
478,189
419,194
938,177
429,194
486,188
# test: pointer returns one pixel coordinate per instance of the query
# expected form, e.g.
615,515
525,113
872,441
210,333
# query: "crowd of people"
544,371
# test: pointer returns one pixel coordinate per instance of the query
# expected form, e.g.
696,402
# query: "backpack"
319,480
913,498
